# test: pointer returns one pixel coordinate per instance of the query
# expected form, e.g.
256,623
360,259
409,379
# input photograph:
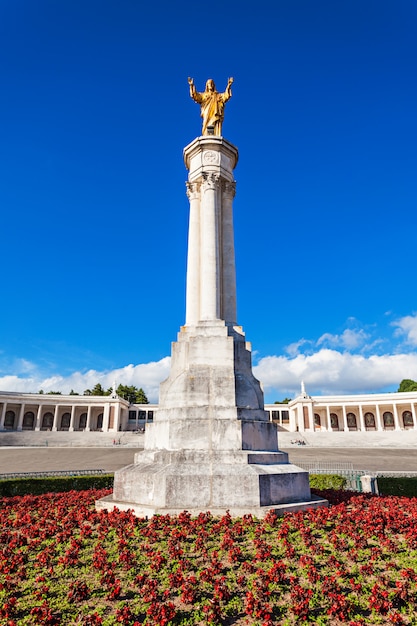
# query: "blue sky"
95,113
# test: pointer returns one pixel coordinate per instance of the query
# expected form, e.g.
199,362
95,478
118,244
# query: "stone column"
345,425
300,417
413,413
209,257
71,426
396,419
361,418
192,314
20,419
55,423
228,290
329,421
3,415
88,425
116,416
39,417
106,414
292,426
379,425
211,280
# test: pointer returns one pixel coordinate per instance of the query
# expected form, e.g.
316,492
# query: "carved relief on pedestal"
211,158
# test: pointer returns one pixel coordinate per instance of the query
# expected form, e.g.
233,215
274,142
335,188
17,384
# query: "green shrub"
398,486
54,484
327,481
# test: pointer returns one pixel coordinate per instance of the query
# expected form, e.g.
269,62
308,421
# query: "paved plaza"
111,459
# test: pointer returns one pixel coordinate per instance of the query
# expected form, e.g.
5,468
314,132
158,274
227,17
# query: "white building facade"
47,412
365,412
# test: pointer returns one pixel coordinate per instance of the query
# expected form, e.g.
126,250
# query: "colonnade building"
366,412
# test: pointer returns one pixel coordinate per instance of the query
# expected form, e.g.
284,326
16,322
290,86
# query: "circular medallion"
210,157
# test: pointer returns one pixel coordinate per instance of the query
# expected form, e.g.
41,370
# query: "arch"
317,421
369,421
65,421
352,421
83,421
9,419
28,420
334,421
99,421
388,419
408,419
47,421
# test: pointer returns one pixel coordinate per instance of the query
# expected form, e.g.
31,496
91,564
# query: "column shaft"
106,418
210,293
88,425
71,426
3,415
55,423
379,425
38,417
413,413
396,419
20,420
192,314
228,291
361,419
345,425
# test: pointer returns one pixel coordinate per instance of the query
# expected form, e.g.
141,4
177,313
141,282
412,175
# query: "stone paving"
111,459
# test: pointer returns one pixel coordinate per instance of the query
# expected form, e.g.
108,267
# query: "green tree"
284,401
132,394
73,393
407,385
54,393
97,390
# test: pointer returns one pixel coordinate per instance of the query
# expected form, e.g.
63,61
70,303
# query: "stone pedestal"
211,446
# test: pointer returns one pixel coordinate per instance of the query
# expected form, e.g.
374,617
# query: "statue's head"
210,86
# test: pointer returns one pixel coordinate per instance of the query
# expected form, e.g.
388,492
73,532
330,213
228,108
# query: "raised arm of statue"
193,91
228,90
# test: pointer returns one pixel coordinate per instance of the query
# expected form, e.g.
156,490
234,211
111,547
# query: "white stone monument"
211,446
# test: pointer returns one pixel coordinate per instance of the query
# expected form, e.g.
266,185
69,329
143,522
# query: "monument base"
259,512
241,482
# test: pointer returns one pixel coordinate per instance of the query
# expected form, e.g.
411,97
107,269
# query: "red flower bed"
62,562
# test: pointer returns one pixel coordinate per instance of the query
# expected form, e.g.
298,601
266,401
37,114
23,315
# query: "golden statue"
212,105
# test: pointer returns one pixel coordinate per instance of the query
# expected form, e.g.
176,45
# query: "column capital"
193,189
229,188
211,180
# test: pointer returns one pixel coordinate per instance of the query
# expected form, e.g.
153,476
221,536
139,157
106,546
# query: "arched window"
100,421
28,420
351,421
408,419
388,419
83,421
369,420
317,421
334,421
9,420
47,421
65,421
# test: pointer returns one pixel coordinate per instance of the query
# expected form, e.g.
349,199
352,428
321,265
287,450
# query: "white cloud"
407,326
294,348
145,375
331,372
350,339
